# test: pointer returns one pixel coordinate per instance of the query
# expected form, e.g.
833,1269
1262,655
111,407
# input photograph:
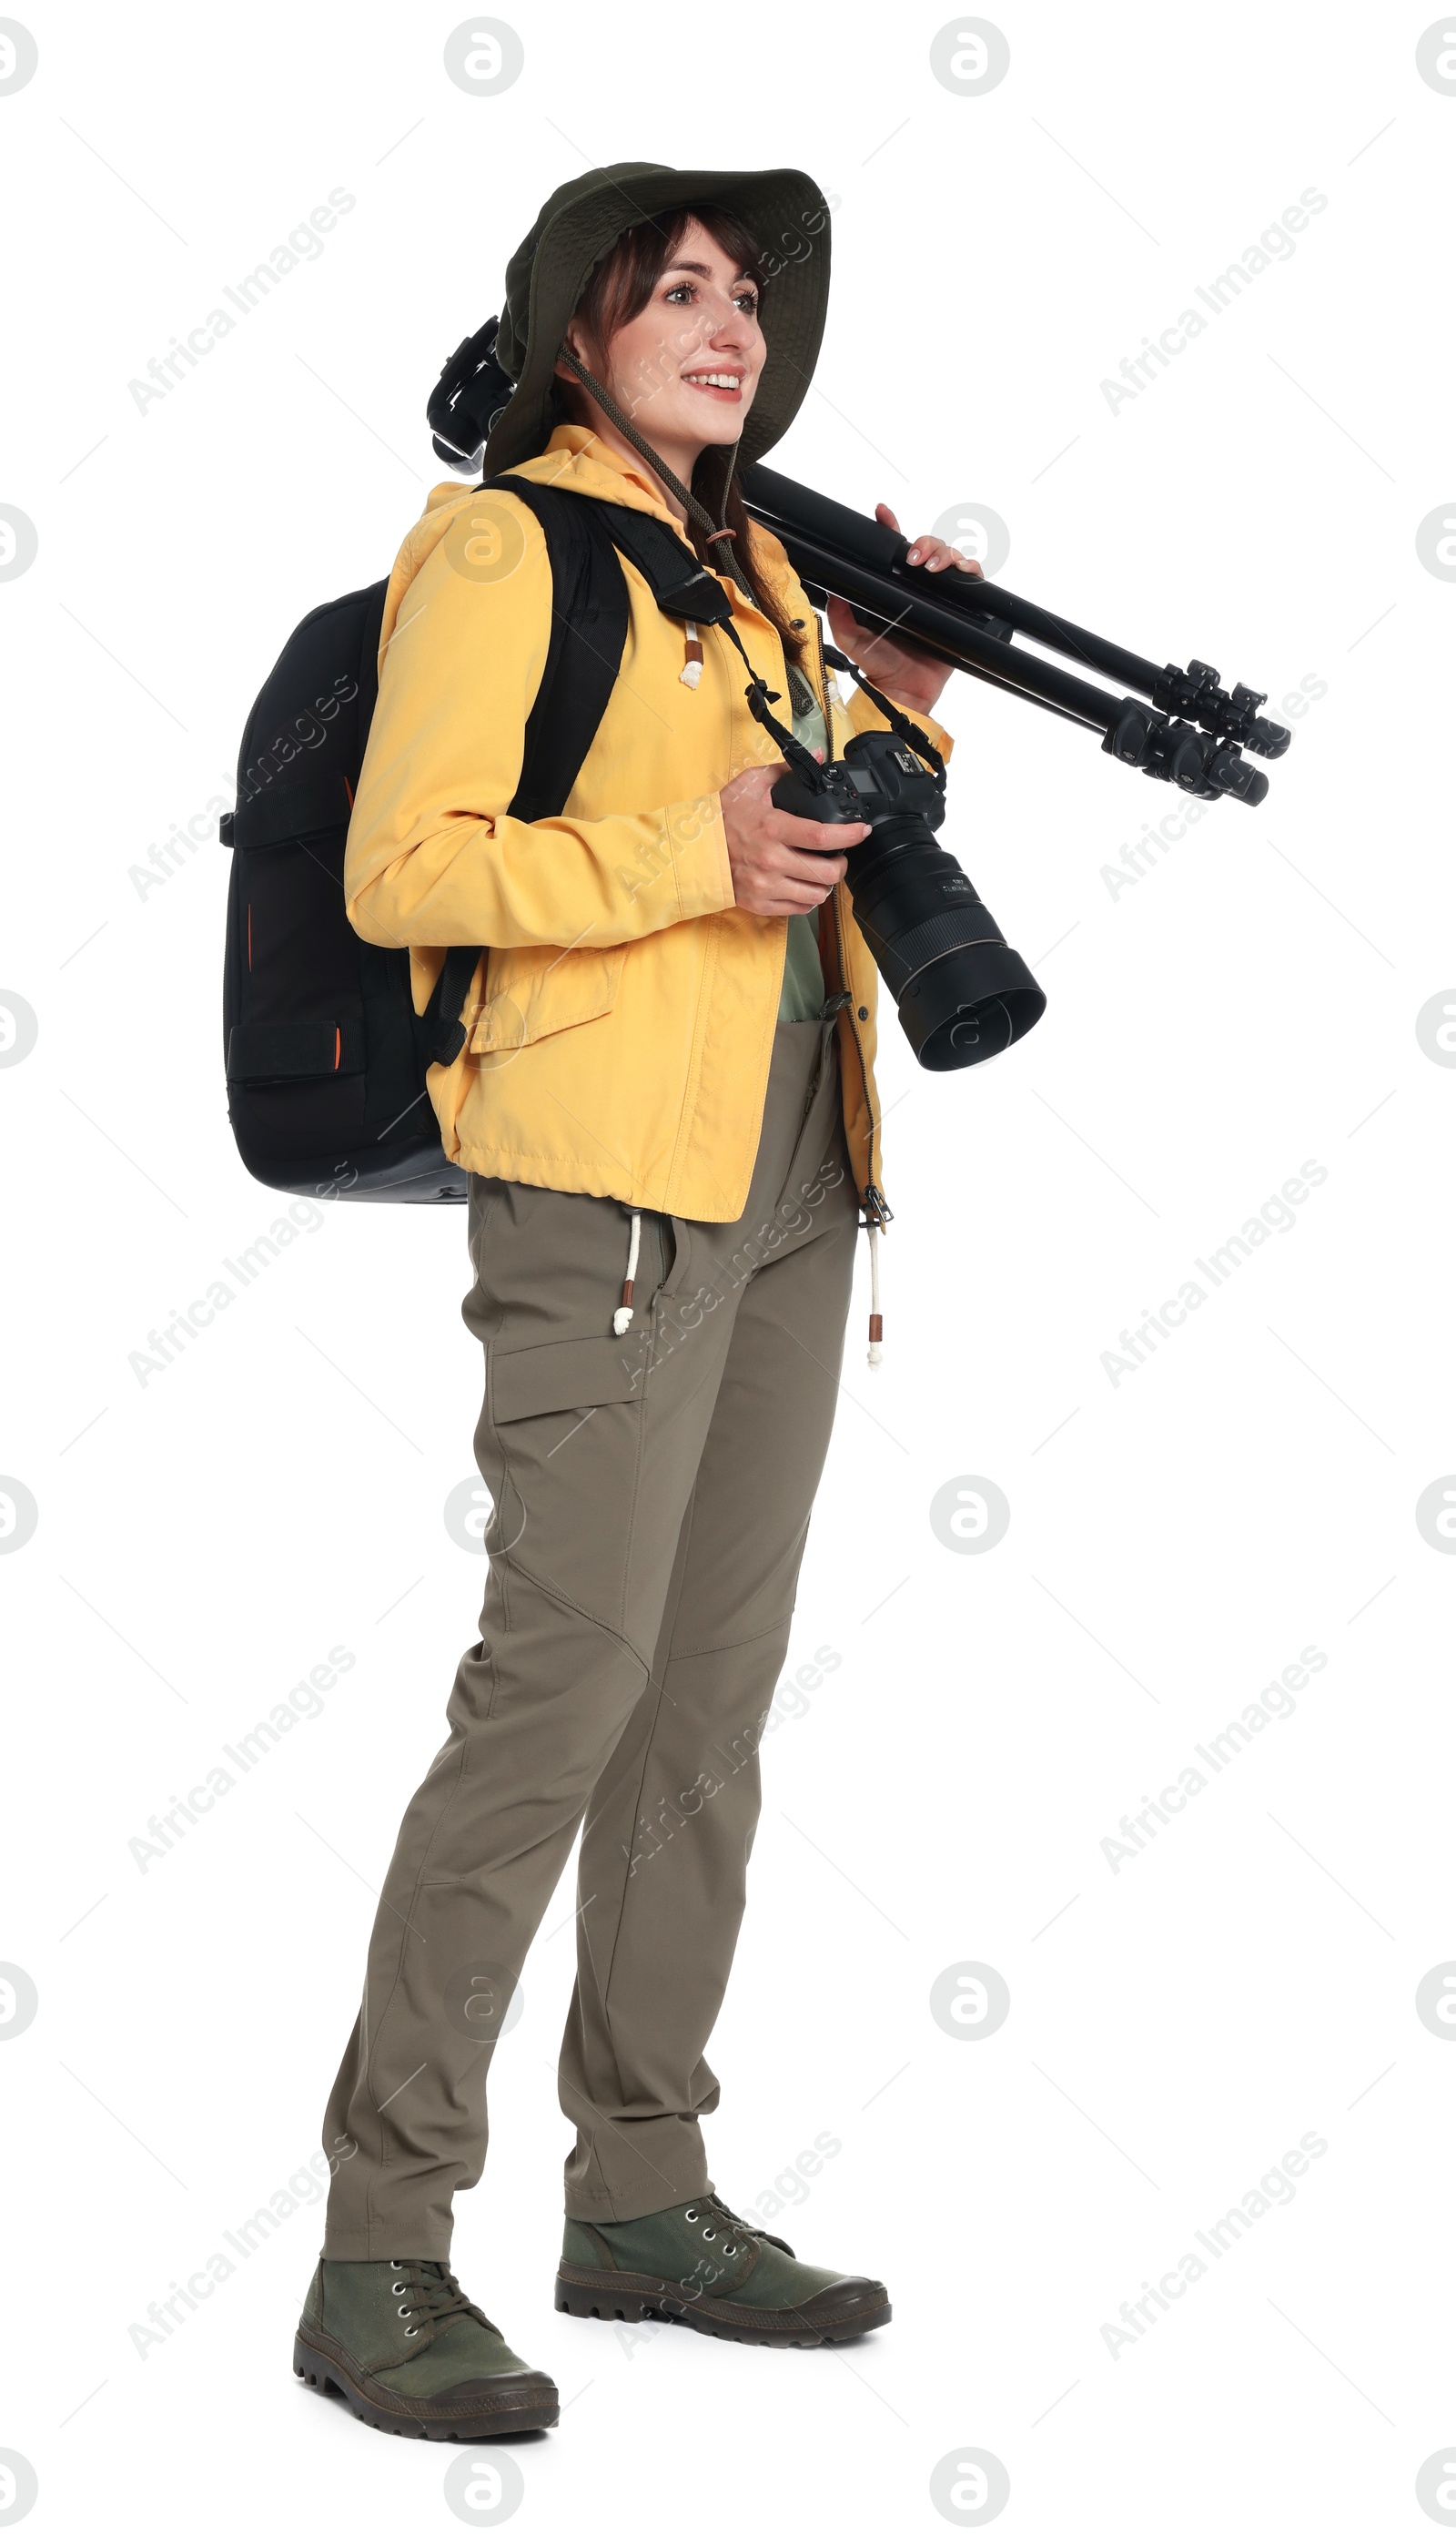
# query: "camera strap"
759,697
895,717
685,589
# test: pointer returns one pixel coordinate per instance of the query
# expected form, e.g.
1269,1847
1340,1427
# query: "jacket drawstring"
691,672
877,1215
622,1316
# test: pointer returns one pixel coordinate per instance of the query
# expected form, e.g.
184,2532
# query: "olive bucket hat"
497,388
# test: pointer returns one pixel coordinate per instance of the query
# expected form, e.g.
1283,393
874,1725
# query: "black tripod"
1191,733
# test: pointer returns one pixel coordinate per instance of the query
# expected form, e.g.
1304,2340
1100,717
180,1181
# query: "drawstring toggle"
877,1215
622,1316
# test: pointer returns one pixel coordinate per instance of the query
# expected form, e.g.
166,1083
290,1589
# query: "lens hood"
969,1005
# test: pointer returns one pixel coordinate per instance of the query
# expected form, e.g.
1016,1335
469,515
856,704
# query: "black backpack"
324,1052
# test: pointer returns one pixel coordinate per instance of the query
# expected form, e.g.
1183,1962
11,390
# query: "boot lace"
717,2221
433,2294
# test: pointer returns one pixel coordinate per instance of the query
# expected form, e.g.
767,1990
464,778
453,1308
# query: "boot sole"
370,2402
627,2297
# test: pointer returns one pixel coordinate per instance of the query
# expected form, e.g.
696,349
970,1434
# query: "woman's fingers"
930,550
811,852
789,879
771,895
795,901
936,555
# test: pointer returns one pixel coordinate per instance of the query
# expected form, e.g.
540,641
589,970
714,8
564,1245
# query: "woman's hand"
910,675
775,872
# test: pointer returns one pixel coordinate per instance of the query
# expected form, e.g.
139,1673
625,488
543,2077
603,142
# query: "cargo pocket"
564,1377
557,1445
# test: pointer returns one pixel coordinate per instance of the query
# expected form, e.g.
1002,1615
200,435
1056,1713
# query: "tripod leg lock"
1164,747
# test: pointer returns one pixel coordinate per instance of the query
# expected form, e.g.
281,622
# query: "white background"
1175,1539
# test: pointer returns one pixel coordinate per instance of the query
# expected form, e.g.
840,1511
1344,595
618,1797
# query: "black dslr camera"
962,994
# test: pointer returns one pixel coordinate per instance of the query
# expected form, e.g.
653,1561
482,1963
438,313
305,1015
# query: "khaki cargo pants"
651,1502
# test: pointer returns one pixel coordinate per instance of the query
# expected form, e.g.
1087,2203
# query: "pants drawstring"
622,1316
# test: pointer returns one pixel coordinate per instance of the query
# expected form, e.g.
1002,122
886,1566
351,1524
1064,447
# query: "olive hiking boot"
405,2347
699,2264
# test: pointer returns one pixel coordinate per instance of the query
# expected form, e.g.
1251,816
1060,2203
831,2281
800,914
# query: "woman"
666,1109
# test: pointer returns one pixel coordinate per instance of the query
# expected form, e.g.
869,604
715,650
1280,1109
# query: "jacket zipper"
878,1212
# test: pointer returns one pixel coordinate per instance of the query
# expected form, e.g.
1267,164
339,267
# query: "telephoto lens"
963,994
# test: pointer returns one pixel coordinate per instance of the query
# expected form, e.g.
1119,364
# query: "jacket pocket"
531,991
569,1377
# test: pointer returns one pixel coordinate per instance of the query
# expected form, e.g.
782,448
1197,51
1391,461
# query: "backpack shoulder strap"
589,633
680,586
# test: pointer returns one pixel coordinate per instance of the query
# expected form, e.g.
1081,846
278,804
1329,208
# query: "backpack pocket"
297,1044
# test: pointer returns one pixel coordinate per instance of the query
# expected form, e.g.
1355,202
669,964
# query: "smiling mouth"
715,383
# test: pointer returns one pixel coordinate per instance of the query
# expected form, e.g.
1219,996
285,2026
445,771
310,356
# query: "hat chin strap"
696,511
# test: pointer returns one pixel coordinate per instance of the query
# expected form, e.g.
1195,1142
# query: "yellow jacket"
619,1028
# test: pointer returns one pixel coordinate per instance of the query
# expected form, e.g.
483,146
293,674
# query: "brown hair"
617,288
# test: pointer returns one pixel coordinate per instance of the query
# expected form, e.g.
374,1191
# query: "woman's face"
687,368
